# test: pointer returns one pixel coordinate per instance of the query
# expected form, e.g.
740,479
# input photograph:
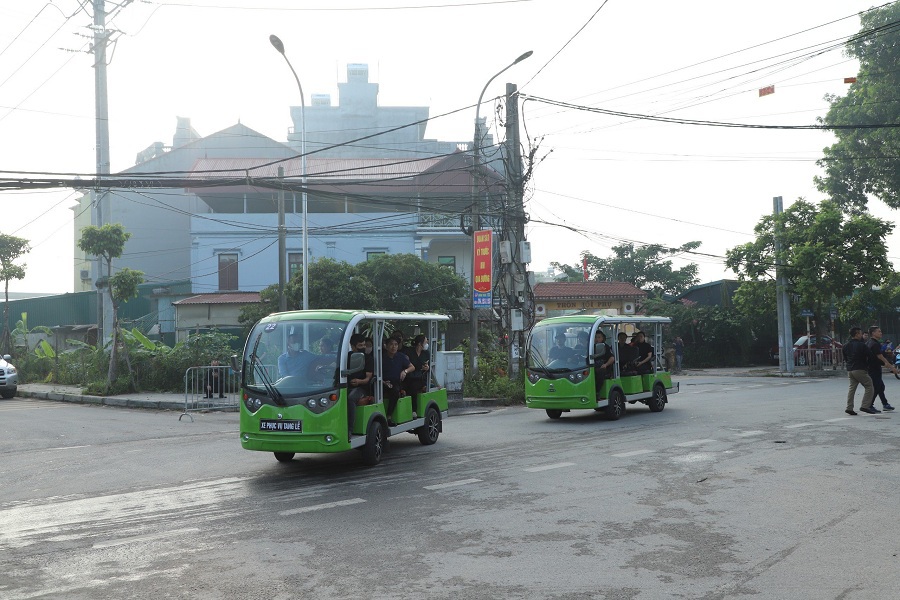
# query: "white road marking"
449,484
694,443
632,453
548,467
838,419
70,447
314,507
796,425
144,538
749,433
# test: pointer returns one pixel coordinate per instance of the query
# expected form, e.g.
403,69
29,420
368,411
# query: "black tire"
375,443
9,394
554,413
284,456
658,402
429,432
616,407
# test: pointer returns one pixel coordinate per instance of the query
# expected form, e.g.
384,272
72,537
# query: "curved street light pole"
473,334
277,43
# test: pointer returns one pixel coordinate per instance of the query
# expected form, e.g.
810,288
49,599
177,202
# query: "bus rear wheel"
554,413
616,406
429,432
284,456
658,402
375,441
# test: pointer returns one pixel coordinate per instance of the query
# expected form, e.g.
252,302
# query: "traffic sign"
806,312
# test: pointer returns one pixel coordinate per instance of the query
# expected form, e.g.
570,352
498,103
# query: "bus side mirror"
235,365
356,363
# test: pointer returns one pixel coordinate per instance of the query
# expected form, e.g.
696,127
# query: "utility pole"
282,250
516,283
101,117
782,300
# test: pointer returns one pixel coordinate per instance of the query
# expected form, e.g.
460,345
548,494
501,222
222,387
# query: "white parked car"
9,377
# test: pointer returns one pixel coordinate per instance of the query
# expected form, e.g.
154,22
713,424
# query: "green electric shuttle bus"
296,379
565,353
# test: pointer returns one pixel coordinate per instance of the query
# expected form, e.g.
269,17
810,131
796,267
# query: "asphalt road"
742,487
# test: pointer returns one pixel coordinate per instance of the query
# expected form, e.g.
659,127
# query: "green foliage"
825,253
107,242
493,380
124,284
157,367
391,282
865,162
405,283
713,336
20,333
11,248
648,267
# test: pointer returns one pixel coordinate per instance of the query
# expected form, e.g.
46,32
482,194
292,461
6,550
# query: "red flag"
584,268
849,79
770,89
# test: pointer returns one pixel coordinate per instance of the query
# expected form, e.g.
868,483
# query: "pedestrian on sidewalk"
857,355
679,353
879,360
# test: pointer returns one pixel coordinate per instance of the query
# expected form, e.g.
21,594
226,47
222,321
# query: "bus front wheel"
429,432
554,413
374,447
284,456
616,406
658,402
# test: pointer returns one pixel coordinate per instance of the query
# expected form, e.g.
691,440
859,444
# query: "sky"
600,181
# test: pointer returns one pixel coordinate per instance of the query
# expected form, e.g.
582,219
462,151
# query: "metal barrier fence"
819,359
210,388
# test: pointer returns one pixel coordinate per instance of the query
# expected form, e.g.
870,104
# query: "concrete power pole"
782,300
101,38
516,277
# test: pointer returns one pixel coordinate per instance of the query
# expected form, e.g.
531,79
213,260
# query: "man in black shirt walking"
857,355
878,361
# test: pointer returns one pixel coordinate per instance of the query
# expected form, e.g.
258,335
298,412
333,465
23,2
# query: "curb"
113,401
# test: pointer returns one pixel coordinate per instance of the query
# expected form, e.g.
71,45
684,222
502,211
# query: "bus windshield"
293,358
560,346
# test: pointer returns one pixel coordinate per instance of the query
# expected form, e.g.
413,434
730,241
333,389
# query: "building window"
228,271
373,253
295,263
330,249
448,262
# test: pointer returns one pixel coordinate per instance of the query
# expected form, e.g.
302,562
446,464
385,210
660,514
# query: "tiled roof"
316,168
564,290
223,298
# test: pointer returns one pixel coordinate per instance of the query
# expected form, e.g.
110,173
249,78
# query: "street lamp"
473,335
276,42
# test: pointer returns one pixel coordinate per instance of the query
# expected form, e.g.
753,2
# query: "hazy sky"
602,179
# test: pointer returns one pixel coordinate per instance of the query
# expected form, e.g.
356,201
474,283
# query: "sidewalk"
176,401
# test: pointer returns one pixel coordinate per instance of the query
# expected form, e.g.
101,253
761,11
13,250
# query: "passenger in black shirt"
644,363
358,381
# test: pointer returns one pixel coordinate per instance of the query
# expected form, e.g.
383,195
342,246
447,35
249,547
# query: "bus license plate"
272,425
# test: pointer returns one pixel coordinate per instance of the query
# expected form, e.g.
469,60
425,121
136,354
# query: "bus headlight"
323,402
253,404
533,377
311,403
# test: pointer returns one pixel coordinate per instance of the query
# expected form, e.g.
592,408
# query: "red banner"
766,90
482,280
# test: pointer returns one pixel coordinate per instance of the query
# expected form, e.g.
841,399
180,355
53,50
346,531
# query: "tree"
865,162
825,253
568,273
404,282
332,284
11,248
648,267
122,287
108,242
